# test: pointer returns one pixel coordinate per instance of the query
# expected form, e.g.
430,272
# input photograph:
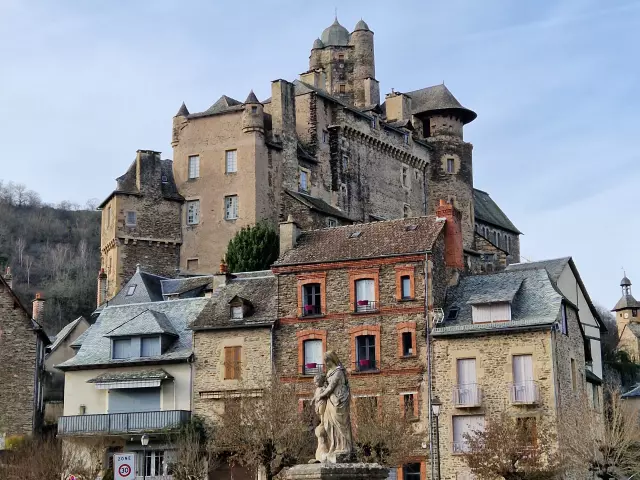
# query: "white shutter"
466,371
522,368
500,312
481,313
313,351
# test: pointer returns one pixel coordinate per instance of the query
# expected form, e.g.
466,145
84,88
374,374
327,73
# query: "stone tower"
439,119
346,65
627,320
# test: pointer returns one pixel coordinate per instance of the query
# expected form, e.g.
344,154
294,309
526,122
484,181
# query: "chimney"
289,233
38,307
283,121
8,277
102,287
453,250
398,106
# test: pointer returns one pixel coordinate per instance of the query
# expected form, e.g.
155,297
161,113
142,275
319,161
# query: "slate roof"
536,303
376,239
626,301
64,333
635,328
361,25
487,211
158,374
223,105
318,204
186,287
77,343
259,288
335,35
146,323
95,351
438,98
183,112
148,289
251,98
633,393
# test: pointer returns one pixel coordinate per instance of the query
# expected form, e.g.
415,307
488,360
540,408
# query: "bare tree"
192,455
512,449
21,244
28,264
265,430
383,432
608,445
92,204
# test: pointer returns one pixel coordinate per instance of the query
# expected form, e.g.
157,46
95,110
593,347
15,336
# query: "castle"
323,149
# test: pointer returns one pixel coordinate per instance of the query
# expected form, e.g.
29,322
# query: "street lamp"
435,409
144,440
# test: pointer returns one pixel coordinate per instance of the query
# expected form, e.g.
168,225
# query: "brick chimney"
8,277
38,307
454,253
289,233
102,287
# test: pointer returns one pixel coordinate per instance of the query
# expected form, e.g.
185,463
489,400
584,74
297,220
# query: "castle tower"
252,115
439,119
347,64
627,320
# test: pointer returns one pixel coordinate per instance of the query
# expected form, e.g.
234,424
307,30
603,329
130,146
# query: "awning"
135,379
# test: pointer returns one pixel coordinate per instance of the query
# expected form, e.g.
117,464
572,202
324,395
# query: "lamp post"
144,440
435,409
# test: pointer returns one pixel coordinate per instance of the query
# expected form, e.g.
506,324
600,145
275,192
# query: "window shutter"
237,354
228,363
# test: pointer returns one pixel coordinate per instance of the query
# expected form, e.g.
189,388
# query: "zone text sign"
124,466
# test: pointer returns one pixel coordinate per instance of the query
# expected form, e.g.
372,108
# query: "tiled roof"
95,351
438,98
158,374
318,204
365,240
147,322
64,333
536,304
487,211
186,287
259,288
626,301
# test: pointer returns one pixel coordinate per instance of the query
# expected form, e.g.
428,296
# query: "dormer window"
135,347
240,308
237,313
491,312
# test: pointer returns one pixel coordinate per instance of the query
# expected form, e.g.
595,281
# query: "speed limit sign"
124,466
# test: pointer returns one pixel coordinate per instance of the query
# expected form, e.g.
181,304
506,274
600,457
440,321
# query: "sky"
83,85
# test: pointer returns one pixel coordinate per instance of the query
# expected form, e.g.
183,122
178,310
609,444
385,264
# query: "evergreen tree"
252,248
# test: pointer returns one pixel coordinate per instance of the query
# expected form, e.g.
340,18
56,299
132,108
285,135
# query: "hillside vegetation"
54,250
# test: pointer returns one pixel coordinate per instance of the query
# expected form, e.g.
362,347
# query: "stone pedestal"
338,471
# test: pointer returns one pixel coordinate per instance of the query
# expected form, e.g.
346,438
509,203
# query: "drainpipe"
429,376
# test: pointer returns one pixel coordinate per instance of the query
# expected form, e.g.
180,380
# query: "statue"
332,401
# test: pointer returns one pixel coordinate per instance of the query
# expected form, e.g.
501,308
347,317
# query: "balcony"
365,306
467,395
311,310
312,368
118,423
458,448
365,366
524,393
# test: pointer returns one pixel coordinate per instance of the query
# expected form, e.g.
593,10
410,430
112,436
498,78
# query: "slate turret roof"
335,35
183,112
251,98
437,99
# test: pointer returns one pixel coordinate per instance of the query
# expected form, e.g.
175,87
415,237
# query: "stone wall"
507,241
209,381
18,354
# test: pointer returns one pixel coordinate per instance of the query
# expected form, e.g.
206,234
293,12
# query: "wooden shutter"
237,365
229,370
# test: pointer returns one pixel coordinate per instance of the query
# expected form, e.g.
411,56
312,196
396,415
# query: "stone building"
22,348
628,320
511,343
323,149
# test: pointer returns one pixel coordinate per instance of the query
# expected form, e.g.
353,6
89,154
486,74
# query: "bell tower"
628,320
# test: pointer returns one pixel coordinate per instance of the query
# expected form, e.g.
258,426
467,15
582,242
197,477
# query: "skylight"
131,290
355,234
410,228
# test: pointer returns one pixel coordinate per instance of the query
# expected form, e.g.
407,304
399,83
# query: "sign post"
124,466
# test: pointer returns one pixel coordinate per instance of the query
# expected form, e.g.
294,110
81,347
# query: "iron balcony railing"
467,395
459,447
310,310
312,368
524,393
116,423
365,365
366,306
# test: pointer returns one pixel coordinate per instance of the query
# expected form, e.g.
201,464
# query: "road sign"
124,466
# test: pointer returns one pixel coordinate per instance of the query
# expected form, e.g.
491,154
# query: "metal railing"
366,306
365,366
308,310
312,368
467,395
117,423
524,393
459,447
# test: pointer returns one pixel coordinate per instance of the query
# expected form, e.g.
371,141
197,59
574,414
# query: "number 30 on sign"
124,466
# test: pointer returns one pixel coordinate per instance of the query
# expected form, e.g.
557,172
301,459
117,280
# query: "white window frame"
127,221
194,167
237,312
491,312
193,214
131,290
307,173
231,161
231,207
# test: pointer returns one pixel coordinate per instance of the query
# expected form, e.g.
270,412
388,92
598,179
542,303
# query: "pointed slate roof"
438,98
626,301
335,35
148,322
223,103
251,98
318,204
148,288
488,211
64,333
183,112
361,25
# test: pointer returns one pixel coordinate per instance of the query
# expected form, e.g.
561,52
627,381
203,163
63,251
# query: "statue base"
338,471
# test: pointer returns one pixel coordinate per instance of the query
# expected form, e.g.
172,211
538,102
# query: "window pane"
312,353
236,312
131,218
311,299
122,348
232,161
466,371
231,207
193,212
406,287
366,351
411,471
465,424
407,344
150,346
304,181
194,166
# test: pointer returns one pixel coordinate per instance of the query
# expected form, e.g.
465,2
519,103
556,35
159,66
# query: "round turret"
361,25
335,35
364,61
252,115
317,44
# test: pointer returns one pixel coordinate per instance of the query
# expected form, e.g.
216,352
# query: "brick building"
22,349
325,149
